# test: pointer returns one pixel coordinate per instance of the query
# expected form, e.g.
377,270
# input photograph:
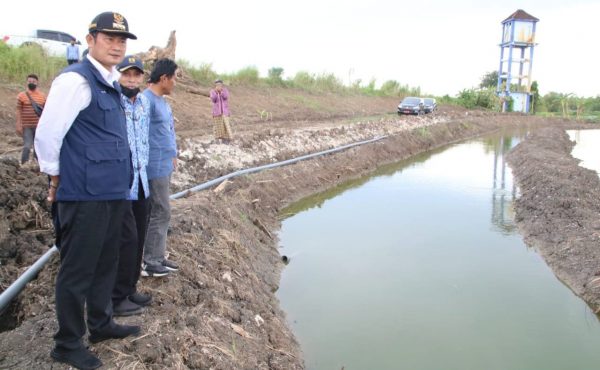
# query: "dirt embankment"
219,311
559,210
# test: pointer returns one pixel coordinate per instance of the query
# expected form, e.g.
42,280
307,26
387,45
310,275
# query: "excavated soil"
219,311
559,210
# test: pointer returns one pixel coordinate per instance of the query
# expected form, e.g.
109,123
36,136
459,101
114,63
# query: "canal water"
586,148
420,266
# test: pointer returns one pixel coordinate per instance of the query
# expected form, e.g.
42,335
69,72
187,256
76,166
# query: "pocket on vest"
107,102
107,169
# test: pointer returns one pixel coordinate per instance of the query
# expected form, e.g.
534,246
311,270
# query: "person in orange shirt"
29,109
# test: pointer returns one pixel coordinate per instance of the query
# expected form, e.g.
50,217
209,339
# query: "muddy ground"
219,311
559,210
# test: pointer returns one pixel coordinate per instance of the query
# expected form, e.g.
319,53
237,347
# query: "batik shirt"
137,115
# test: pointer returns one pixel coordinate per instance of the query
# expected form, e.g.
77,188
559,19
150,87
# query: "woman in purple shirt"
220,98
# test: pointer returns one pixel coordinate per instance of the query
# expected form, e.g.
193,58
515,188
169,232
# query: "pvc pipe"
15,288
269,166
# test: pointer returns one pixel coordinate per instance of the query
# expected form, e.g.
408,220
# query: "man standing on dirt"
163,160
72,52
82,144
126,300
220,99
29,109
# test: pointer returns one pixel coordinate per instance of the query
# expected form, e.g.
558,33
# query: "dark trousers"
89,253
72,61
131,249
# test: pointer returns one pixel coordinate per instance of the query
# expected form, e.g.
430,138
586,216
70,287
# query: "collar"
128,101
109,76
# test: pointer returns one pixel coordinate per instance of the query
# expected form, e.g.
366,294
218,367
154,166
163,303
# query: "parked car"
430,105
411,105
54,42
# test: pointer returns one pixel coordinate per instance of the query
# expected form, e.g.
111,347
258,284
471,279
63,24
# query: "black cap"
130,61
111,22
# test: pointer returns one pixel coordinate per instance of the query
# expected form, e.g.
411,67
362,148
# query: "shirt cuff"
50,168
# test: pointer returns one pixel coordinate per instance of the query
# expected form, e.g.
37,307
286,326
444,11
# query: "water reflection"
504,189
407,270
317,200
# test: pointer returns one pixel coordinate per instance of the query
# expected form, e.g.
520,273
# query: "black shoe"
79,358
170,265
141,299
127,308
155,270
115,331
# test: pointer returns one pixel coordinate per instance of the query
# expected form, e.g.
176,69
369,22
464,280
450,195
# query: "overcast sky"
441,46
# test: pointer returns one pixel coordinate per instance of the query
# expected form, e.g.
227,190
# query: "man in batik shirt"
126,299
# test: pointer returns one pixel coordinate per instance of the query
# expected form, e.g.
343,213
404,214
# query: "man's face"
72,42
168,83
108,49
31,80
131,78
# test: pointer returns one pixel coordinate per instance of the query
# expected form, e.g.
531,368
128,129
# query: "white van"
54,42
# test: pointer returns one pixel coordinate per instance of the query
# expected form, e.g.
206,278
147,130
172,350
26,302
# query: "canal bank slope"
559,210
220,311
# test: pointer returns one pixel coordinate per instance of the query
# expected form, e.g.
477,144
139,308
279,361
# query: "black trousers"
89,253
131,248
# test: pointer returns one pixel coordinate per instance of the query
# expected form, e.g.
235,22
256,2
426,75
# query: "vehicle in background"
53,42
411,105
430,105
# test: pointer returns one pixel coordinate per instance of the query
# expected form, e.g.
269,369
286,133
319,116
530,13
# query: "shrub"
203,73
275,76
17,62
246,76
478,98
303,80
328,82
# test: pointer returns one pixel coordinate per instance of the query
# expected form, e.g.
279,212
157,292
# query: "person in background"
220,99
29,109
82,144
72,52
126,299
163,161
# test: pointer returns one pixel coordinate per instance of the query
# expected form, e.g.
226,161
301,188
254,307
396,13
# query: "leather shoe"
114,331
141,299
80,358
127,308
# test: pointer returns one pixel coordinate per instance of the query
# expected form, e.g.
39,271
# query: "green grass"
18,62
304,80
203,73
592,117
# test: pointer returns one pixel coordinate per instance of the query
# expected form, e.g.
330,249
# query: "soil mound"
558,211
